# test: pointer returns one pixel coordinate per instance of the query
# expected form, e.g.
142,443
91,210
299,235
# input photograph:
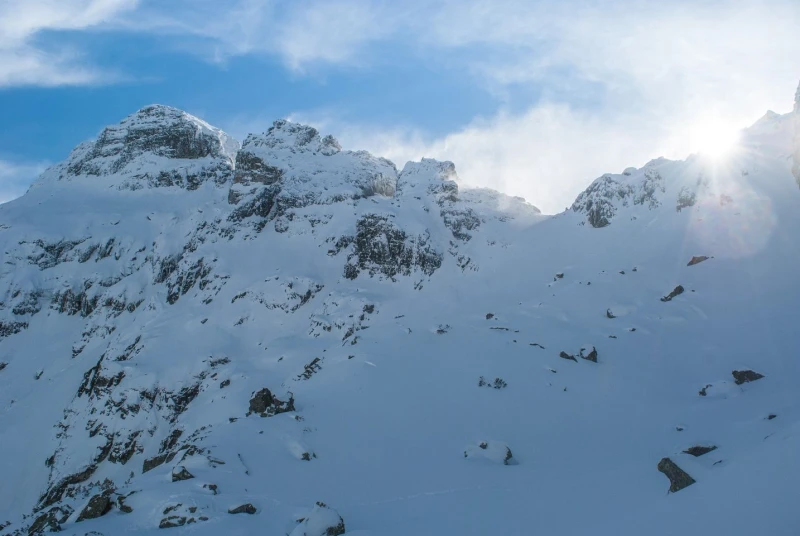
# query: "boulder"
243,509
697,260
745,376
591,356
98,506
675,292
699,450
171,522
678,478
266,404
565,355
181,473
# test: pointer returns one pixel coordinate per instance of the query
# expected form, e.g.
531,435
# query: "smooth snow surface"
410,336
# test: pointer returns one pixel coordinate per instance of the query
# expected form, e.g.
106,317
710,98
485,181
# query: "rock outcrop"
678,478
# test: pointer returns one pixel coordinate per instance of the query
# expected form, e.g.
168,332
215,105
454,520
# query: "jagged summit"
284,134
158,146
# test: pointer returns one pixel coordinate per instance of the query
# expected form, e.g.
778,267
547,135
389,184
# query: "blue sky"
535,98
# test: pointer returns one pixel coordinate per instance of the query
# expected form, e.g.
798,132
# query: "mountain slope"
191,328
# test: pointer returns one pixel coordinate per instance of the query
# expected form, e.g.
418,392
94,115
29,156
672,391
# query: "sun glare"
714,138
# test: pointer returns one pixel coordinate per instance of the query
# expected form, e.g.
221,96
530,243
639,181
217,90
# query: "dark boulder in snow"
243,509
172,522
699,450
697,260
591,356
322,521
745,376
677,291
678,478
266,404
181,473
565,355
98,506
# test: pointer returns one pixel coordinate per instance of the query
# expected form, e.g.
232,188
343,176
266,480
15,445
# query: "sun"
714,137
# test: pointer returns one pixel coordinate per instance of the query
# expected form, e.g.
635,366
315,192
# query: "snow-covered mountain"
285,337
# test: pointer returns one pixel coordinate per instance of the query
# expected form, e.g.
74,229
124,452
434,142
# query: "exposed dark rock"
251,168
224,383
266,404
260,401
151,463
745,376
565,355
53,254
315,366
124,508
181,473
489,316
609,314
697,260
771,416
591,356
703,391
675,292
678,478
171,522
258,204
498,383
98,506
243,509
11,328
49,521
56,491
379,247
699,450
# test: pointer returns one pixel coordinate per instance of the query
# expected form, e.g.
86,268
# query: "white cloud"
23,61
15,178
621,84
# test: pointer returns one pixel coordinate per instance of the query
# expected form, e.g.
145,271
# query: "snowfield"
288,338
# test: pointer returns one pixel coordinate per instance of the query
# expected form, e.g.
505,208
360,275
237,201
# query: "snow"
384,370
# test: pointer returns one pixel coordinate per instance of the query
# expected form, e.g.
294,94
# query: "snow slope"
436,361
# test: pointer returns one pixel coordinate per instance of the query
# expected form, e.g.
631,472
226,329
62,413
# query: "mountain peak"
284,134
157,146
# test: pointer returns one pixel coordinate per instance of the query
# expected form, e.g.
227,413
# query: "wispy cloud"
15,178
25,61
619,83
